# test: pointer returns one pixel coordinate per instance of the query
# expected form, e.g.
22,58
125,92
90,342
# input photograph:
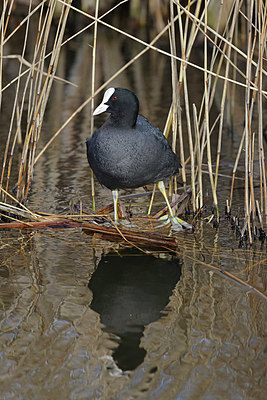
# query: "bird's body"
130,157
128,151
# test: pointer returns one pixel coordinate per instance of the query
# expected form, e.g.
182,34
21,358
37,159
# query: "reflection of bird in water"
127,151
130,292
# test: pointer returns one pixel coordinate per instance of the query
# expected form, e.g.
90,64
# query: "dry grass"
36,76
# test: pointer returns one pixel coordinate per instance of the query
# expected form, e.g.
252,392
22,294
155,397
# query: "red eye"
114,98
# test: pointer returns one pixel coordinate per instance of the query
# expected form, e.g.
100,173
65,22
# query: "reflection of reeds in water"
189,22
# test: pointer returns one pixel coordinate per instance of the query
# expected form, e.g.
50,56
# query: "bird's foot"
179,223
176,222
164,220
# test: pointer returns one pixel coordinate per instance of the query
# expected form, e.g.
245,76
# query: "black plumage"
128,151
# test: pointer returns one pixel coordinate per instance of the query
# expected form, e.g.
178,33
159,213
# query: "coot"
127,151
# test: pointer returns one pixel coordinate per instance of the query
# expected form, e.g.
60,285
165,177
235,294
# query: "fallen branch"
108,233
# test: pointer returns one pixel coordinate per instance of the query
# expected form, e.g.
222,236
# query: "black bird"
127,151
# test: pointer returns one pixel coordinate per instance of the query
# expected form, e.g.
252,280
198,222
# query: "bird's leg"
115,195
176,222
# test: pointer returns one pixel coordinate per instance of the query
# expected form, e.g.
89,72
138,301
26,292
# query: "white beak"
102,106
100,109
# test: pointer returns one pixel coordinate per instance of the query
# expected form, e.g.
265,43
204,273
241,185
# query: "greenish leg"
176,222
115,195
162,189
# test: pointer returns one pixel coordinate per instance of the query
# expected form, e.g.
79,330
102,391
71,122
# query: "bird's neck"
124,119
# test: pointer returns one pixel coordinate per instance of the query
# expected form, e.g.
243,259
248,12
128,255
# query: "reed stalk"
207,113
248,120
14,108
2,33
253,98
225,86
33,65
38,93
175,96
92,95
183,36
29,15
199,197
262,21
168,54
43,95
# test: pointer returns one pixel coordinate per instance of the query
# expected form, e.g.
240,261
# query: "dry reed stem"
251,181
208,28
8,14
215,201
163,51
166,132
262,41
259,214
14,107
195,27
225,86
24,20
2,33
248,121
175,94
183,77
7,194
191,147
236,9
18,119
92,94
34,65
151,201
199,197
168,122
39,97
223,56
241,146
33,90
179,113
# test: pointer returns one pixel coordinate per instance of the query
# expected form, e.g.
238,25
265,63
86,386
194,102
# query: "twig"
92,95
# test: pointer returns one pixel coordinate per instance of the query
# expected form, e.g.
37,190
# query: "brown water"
79,320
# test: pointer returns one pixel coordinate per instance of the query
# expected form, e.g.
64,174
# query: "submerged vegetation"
232,34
